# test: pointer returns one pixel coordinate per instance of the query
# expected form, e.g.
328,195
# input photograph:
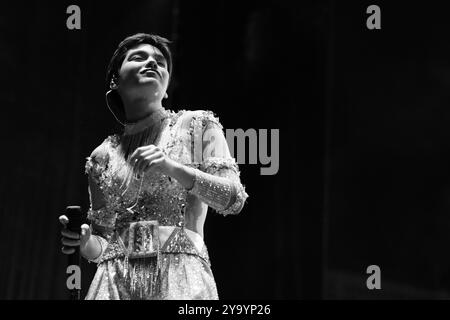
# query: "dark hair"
119,55
133,41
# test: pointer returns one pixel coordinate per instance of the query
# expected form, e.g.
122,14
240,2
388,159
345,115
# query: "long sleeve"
217,179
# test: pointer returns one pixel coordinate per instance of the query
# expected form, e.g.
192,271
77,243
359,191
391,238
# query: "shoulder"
100,155
102,150
201,118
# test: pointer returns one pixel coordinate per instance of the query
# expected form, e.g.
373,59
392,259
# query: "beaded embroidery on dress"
179,267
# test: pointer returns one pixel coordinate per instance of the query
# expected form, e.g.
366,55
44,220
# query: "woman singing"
150,187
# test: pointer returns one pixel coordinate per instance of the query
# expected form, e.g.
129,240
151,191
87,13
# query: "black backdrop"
363,175
389,183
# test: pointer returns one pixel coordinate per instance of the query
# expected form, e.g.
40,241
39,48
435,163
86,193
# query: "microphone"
73,213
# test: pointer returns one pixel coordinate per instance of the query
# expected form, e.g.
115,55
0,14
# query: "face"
143,72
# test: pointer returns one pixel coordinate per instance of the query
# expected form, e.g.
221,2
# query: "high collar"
153,119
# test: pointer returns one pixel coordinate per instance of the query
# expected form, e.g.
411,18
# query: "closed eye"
136,57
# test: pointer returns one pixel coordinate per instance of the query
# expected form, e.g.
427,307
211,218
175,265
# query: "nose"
151,63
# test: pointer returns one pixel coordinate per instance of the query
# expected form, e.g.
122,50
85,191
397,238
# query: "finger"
85,230
138,153
141,162
153,164
150,151
142,154
136,162
145,162
69,242
148,162
133,164
131,159
70,234
64,220
67,250
155,159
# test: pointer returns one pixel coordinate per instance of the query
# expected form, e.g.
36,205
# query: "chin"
145,91
149,83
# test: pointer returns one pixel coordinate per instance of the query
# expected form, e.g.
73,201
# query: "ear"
113,84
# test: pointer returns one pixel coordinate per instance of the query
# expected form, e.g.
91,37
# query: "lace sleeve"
217,180
98,213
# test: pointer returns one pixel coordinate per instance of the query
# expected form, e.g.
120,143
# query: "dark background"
389,195
364,141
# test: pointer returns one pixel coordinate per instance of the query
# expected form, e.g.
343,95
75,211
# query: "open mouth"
150,72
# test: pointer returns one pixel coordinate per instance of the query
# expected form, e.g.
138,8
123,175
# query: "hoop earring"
107,103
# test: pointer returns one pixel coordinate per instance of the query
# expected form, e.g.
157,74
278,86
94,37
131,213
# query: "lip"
147,70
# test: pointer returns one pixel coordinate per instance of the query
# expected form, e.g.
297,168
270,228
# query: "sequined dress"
151,228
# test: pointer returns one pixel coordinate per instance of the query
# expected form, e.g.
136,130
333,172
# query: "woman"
151,186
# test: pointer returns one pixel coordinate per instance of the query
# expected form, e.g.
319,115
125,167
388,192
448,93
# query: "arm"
218,192
97,234
216,182
95,244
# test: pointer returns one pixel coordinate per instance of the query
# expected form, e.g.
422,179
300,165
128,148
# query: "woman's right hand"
72,239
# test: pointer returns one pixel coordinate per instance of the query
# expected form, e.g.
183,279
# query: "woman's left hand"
151,159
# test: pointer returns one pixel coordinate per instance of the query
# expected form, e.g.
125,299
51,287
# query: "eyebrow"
156,55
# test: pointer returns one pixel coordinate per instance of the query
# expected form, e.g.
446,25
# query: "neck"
139,108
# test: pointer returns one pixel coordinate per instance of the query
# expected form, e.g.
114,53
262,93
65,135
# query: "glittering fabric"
181,269
216,192
181,277
217,181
